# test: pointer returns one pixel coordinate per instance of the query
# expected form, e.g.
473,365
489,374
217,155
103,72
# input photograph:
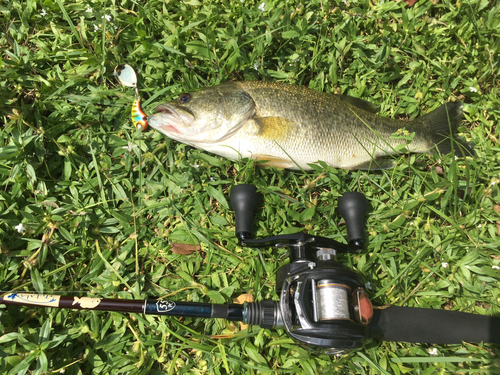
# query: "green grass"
102,204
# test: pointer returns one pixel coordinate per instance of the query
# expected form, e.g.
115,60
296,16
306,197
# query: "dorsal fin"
360,103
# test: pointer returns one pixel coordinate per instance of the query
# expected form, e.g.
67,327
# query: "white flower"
96,27
130,146
256,66
20,228
195,166
472,89
495,267
107,16
433,351
43,13
89,10
262,7
368,285
444,264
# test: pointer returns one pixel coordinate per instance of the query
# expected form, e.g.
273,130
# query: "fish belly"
298,150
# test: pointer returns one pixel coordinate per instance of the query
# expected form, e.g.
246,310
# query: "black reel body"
322,304
319,306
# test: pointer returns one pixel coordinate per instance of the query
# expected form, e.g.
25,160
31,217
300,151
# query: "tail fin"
443,123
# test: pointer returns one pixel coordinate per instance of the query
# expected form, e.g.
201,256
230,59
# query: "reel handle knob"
244,200
352,207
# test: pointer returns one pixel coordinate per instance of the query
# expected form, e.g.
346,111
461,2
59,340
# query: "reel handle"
352,207
244,200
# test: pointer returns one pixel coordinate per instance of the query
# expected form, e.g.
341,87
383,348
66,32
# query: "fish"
288,126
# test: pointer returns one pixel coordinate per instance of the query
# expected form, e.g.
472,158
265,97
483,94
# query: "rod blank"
149,307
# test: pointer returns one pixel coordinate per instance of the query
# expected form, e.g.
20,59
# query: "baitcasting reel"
322,304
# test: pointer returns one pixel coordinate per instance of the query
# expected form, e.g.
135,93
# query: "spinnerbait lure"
127,77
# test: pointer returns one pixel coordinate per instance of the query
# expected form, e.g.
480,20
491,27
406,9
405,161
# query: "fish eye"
184,98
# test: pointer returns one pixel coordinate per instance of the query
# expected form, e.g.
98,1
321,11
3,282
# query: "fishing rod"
322,305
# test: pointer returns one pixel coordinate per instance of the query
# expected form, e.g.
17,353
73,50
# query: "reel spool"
330,301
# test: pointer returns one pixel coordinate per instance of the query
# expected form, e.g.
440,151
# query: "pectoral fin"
275,128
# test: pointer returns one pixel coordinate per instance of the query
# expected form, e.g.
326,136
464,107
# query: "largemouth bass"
290,126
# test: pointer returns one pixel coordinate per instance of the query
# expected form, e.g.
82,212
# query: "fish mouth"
165,109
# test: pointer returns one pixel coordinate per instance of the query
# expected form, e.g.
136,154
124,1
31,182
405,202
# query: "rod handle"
244,200
352,207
